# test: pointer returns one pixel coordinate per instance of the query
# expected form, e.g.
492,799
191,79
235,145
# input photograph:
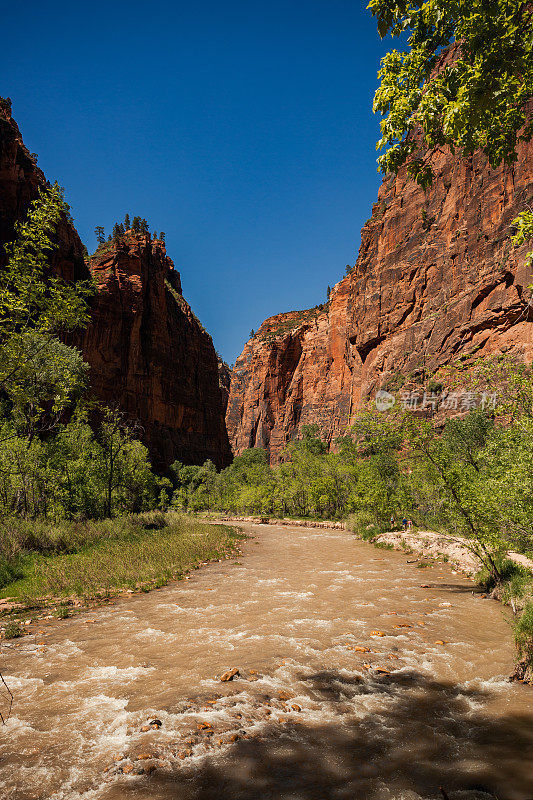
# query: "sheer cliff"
151,357
435,277
148,354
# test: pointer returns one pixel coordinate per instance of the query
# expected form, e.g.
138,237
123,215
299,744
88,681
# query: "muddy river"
361,677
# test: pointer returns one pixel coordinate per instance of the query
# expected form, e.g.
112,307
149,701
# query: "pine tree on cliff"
116,233
162,237
127,224
100,234
144,227
136,225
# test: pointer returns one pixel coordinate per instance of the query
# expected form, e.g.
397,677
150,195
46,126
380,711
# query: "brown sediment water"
311,716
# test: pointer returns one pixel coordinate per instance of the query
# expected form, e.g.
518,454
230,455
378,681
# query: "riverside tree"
48,466
464,81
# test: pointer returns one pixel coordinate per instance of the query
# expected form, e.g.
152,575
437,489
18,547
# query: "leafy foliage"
463,81
49,466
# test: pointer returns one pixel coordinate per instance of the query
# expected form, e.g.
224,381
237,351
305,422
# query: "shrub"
62,612
13,630
365,525
509,572
523,633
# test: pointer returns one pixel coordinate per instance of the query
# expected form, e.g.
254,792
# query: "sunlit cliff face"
436,278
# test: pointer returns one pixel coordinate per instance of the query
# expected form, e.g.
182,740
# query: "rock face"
149,355
20,180
436,277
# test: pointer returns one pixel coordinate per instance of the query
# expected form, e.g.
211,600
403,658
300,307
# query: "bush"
523,634
365,525
510,572
13,630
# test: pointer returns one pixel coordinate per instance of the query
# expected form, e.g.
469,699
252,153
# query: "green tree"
100,234
125,466
464,80
524,233
36,369
448,480
41,377
127,223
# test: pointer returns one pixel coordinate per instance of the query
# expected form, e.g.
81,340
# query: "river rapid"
362,677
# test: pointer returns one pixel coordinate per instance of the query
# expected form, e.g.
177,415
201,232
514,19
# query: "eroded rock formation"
149,355
436,277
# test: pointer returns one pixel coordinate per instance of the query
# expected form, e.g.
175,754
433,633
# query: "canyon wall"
20,179
151,357
436,277
148,354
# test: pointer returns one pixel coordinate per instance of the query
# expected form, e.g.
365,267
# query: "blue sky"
244,130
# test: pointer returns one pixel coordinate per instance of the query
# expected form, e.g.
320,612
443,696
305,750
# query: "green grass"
514,578
523,632
99,559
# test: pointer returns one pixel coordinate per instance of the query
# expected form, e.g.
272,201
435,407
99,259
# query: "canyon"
436,279
149,355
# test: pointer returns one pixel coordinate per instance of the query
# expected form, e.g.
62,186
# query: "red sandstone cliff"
20,179
435,277
149,355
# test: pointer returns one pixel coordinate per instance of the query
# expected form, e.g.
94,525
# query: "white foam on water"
19,683
316,621
15,725
154,633
114,673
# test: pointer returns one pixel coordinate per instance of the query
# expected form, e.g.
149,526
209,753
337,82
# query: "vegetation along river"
313,714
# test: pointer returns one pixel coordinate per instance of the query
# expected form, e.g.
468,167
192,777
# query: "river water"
310,717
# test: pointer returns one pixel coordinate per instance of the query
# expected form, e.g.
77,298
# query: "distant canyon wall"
436,277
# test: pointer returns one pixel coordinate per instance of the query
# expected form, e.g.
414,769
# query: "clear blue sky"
242,129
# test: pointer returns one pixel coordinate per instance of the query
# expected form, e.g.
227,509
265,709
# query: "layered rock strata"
436,277
150,356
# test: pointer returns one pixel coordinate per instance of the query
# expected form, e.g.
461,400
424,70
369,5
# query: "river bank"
428,544
58,570
279,521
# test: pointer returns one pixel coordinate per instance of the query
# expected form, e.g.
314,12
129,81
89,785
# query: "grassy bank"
40,561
